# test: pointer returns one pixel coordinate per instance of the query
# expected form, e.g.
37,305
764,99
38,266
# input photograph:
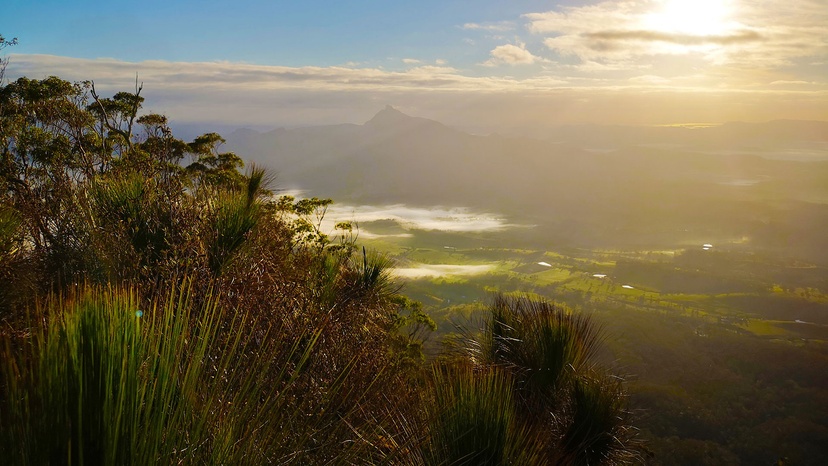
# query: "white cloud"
510,54
650,79
411,61
272,96
783,82
241,76
742,33
434,70
499,26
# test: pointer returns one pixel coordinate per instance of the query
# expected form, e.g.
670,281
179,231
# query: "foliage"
413,326
161,306
561,394
546,344
104,382
473,420
4,61
14,279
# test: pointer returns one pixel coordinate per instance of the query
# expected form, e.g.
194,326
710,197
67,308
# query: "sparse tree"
3,60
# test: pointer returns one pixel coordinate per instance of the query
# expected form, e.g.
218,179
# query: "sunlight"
693,17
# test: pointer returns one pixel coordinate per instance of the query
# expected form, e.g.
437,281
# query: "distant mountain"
399,158
394,156
733,136
586,184
391,120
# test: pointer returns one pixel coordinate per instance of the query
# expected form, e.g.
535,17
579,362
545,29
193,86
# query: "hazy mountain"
761,138
585,185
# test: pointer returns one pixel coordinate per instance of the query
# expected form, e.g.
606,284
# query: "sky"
484,64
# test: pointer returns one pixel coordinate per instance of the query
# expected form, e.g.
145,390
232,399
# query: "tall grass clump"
597,430
99,380
543,344
237,213
560,393
475,414
472,419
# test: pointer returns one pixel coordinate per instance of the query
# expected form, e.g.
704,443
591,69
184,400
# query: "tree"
5,61
73,162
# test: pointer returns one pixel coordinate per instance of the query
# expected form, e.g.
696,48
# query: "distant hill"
592,184
399,158
735,136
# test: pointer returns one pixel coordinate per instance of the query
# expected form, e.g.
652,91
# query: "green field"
721,347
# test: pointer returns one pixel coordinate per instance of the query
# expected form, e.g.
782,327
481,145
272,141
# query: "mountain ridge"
392,119
664,182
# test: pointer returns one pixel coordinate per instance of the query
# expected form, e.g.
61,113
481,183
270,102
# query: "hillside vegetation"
160,306
700,249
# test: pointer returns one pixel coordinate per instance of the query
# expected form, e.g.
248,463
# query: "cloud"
411,61
741,33
782,82
681,39
241,76
271,96
500,26
650,79
434,70
510,54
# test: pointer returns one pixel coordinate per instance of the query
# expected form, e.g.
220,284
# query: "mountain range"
584,185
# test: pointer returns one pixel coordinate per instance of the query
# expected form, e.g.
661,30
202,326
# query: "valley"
700,251
724,351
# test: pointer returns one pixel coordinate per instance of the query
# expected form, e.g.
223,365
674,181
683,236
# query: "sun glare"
692,17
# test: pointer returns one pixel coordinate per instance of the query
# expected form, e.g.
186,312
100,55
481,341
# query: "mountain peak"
390,120
388,116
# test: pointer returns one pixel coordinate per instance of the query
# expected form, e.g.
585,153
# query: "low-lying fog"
406,219
441,270
438,218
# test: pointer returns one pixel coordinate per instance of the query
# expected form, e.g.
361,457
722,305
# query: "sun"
691,17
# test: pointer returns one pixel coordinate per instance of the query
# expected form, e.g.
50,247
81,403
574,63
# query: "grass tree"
560,403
